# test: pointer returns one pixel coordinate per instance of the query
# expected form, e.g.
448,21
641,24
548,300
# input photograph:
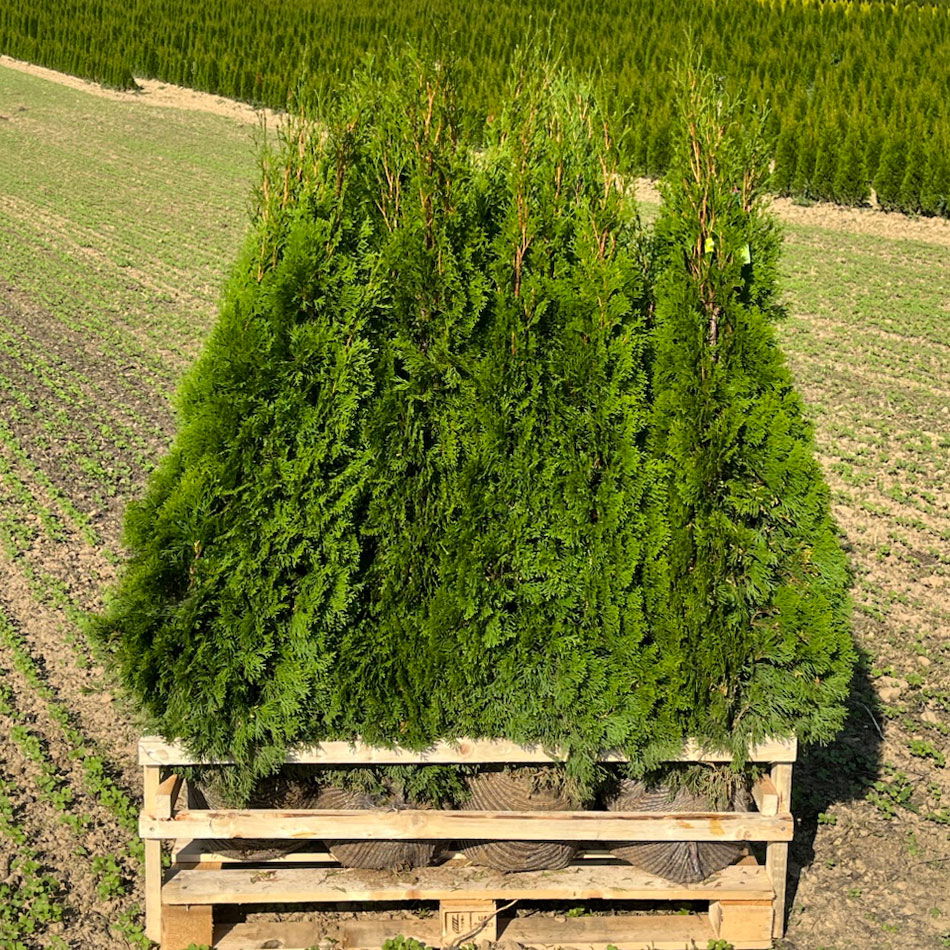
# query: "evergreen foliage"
851,177
890,174
446,468
935,189
913,181
822,182
783,175
754,589
805,166
833,66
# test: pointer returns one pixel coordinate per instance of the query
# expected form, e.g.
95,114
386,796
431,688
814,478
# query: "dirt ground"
117,225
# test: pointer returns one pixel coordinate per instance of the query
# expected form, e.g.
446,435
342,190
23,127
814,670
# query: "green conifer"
408,499
822,182
426,466
913,181
783,174
805,164
851,177
890,174
757,580
935,189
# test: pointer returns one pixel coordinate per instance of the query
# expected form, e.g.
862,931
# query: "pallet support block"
187,924
744,923
468,921
152,777
776,854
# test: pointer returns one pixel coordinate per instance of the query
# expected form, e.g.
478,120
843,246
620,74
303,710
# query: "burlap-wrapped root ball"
524,789
287,790
685,862
374,855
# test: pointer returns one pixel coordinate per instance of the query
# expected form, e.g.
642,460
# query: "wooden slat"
765,796
152,777
156,751
187,851
625,932
305,885
418,824
166,795
776,857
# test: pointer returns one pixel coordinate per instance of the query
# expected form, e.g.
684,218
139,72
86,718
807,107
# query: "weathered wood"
165,797
776,855
746,901
467,921
198,852
304,885
156,751
421,824
765,796
183,927
152,777
744,923
658,932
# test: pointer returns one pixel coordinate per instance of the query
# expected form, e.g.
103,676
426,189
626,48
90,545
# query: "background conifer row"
470,453
847,82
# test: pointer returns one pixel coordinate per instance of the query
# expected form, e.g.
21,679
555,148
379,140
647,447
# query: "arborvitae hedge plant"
752,586
445,467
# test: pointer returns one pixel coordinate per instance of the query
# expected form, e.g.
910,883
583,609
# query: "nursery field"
118,220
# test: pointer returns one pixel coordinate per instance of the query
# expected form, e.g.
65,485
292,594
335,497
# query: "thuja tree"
248,554
754,581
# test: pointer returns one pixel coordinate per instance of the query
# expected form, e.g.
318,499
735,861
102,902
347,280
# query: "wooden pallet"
743,904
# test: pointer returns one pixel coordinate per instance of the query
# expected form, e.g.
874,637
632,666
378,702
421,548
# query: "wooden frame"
746,902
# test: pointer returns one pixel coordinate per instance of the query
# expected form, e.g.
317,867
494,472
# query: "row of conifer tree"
857,91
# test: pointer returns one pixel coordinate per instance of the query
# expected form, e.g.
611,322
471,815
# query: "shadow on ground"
842,771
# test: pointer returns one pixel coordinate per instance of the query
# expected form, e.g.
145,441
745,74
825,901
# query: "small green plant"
719,945
824,818
404,943
913,845
110,878
890,796
925,749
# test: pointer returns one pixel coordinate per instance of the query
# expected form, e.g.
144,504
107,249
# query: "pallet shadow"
842,771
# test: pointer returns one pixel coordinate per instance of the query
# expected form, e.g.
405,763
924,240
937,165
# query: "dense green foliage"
830,70
429,483
756,581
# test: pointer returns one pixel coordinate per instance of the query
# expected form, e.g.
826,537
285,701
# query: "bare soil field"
119,217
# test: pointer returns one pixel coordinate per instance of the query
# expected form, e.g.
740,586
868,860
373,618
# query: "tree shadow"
842,771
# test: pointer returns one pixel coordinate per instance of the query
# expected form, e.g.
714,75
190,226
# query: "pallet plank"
152,780
656,932
419,824
580,882
156,751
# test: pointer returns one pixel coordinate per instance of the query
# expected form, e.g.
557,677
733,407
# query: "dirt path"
871,222
152,92
868,221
